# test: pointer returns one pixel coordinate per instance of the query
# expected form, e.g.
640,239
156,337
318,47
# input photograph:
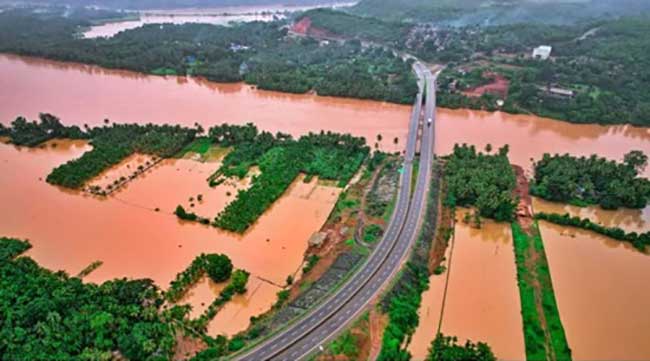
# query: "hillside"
499,12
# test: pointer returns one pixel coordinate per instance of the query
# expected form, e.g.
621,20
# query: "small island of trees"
593,180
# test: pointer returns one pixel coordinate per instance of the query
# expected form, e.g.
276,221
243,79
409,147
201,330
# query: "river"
69,231
214,16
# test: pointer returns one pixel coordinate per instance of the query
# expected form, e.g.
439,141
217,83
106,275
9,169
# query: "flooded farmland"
531,136
601,289
600,284
482,286
70,230
133,240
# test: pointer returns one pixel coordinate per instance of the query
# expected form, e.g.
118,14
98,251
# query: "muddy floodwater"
601,287
531,136
81,94
630,220
70,230
135,233
482,301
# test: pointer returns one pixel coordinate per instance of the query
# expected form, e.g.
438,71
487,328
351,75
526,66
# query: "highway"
321,324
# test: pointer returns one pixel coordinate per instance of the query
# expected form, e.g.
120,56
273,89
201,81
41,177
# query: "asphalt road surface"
321,324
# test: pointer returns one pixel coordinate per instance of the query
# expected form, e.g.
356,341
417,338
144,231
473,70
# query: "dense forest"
498,12
257,52
47,315
485,181
593,180
280,159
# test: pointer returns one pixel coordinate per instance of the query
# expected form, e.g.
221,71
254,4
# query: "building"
542,52
560,92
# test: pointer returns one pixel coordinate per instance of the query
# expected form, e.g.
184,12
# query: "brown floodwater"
601,287
630,220
531,136
482,301
429,314
69,230
82,94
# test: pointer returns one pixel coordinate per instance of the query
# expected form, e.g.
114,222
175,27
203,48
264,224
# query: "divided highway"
321,324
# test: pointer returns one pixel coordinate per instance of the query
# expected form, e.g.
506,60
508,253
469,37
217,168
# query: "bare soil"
498,86
524,217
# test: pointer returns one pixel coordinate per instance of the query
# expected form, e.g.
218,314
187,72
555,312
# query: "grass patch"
534,335
199,145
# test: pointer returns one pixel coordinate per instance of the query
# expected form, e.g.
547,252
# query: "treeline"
446,348
30,134
593,180
280,159
12,248
639,241
402,302
485,181
48,315
111,144
217,266
259,53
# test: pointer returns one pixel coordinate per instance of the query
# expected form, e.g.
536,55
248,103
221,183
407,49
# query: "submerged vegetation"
111,144
639,241
30,134
217,266
280,159
446,348
593,180
485,181
49,315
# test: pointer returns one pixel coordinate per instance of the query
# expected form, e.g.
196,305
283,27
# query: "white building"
542,52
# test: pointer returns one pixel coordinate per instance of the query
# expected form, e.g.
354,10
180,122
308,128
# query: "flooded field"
81,94
70,230
482,286
429,314
602,294
630,220
132,166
